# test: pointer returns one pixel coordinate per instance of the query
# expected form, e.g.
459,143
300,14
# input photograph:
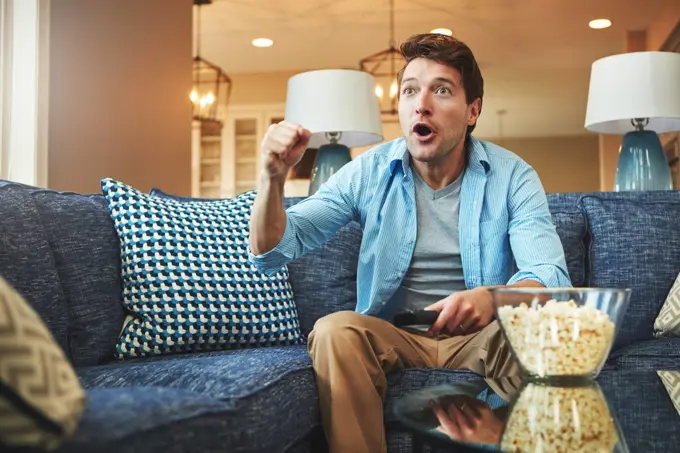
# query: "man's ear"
474,109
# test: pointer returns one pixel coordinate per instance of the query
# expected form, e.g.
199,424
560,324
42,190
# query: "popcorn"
559,419
558,338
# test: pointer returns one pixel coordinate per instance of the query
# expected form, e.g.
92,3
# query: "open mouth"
423,131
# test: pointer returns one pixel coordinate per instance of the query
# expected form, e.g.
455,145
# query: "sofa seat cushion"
241,401
658,354
120,419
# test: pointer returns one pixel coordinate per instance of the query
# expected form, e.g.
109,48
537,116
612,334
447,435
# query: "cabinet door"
244,131
206,159
241,163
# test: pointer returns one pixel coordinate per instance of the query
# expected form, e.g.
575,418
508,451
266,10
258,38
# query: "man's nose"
423,105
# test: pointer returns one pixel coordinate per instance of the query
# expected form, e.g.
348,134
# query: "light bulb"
204,101
262,42
379,91
599,24
442,31
393,89
210,98
193,96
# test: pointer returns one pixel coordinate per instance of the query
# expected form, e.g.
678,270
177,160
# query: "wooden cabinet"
244,130
226,161
206,159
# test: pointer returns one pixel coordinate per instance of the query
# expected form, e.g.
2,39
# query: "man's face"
433,111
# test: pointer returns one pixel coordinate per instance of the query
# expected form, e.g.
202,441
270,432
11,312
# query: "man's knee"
342,327
336,323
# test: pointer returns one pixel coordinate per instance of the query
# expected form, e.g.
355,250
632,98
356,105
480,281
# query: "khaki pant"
352,353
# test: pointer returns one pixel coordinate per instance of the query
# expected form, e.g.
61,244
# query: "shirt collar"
478,159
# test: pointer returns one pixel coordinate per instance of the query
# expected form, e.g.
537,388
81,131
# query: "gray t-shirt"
436,269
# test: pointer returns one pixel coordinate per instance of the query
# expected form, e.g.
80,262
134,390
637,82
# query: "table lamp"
637,94
340,109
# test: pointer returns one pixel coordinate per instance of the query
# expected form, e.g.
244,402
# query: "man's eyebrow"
447,80
438,79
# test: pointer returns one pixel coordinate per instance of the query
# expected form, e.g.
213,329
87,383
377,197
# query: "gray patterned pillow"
667,324
41,399
671,381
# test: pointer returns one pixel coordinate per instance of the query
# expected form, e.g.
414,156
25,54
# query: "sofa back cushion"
65,260
26,260
635,243
86,254
325,280
570,223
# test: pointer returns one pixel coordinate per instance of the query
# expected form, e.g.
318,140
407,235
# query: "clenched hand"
283,146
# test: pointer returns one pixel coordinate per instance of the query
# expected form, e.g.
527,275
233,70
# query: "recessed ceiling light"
263,42
599,24
442,31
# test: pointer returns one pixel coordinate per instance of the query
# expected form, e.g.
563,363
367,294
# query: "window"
24,54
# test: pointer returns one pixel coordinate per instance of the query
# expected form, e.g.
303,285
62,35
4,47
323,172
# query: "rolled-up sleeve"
314,220
284,252
536,246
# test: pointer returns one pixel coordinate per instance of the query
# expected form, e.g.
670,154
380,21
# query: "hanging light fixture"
385,66
211,86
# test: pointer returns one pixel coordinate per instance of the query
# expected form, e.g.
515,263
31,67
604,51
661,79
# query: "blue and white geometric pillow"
187,280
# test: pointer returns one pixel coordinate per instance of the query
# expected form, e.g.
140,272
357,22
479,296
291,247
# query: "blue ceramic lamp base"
329,159
642,163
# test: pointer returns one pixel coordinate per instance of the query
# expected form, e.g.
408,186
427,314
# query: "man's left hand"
463,312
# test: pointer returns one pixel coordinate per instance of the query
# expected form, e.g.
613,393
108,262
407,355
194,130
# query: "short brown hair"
449,51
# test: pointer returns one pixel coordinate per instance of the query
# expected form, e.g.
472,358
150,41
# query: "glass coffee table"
622,411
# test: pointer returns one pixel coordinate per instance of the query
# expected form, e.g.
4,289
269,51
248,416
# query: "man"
443,217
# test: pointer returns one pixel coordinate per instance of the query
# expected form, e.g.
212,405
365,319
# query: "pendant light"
211,86
385,66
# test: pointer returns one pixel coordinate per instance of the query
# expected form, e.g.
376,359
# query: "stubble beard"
443,151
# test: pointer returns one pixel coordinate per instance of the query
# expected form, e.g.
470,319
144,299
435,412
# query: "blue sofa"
60,250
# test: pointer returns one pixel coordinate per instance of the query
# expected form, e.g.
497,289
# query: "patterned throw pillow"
187,280
671,381
667,324
41,399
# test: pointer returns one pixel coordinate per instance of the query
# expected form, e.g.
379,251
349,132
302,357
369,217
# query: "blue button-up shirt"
506,232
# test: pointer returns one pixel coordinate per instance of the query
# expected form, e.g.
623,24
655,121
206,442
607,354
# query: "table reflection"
561,419
518,417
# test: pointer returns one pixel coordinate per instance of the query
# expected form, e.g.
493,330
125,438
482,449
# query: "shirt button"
400,274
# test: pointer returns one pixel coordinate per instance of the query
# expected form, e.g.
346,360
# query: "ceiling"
535,55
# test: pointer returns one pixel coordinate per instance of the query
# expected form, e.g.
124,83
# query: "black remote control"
415,318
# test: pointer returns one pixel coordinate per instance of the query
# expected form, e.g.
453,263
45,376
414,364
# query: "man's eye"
443,90
407,90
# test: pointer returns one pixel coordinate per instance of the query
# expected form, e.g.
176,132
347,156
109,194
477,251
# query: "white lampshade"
634,85
335,100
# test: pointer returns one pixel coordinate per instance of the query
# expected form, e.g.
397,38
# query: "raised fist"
283,146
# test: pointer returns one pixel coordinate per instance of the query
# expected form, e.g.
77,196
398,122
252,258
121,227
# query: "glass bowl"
558,334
